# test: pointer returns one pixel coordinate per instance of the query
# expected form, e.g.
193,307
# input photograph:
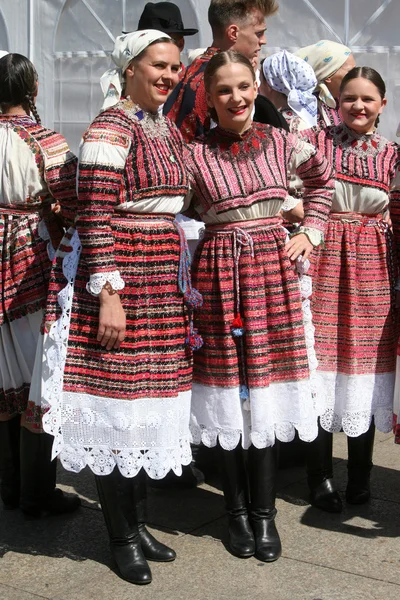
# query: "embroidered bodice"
130,161
246,177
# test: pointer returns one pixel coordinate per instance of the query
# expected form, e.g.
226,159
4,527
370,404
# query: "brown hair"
222,13
366,73
161,40
220,60
18,79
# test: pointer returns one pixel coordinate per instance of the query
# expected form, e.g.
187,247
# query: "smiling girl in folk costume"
118,372
252,376
353,301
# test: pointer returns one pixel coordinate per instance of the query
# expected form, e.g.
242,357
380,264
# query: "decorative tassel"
237,327
194,339
244,392
193,299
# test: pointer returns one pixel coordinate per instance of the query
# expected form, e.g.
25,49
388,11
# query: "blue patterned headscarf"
292,76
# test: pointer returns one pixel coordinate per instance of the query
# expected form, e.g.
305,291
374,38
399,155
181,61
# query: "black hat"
164,16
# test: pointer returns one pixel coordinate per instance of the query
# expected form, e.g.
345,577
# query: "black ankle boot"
38,478
234,484
268,543
241,536
117,499
262,468
152,548
359,465
9,462
323,494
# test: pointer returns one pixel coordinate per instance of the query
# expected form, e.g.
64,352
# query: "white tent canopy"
70,42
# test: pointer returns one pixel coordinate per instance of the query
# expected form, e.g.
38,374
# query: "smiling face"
151,79
361,104
250,37
232,93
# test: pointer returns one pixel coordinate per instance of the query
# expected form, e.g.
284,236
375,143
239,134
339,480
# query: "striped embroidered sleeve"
60,166
102,159
316,173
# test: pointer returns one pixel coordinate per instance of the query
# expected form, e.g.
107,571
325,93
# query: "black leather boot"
38,478
234,485
117,499
359,465
262,467
152,548
9,462
323,494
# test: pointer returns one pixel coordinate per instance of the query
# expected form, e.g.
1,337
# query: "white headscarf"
326,58
292,76
126,48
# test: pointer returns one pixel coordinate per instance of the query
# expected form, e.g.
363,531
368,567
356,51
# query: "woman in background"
37,177
330,61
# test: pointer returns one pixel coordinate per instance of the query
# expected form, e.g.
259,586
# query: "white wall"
70,41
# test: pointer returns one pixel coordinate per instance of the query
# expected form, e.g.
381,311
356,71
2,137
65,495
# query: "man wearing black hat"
166,17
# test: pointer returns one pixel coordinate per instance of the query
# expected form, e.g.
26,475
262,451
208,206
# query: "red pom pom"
237,322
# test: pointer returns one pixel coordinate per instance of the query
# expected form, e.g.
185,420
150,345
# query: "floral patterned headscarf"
325,57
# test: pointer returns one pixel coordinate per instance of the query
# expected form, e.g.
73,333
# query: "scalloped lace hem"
98,280
349,402
276,412
157,462
229,439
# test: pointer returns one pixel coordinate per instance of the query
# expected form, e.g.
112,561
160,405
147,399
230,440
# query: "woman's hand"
112,321
299,245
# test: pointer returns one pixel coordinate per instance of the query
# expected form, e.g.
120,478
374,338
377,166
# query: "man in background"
236,25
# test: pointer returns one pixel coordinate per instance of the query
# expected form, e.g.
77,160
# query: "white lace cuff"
98,280
289,203
315,236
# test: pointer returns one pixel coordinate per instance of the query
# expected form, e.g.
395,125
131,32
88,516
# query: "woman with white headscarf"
289,82
330,61
118,347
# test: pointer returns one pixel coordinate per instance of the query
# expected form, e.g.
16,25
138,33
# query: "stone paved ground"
351,556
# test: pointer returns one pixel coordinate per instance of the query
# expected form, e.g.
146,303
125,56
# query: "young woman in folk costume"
252,376
117,368
38,173
353,302
330,61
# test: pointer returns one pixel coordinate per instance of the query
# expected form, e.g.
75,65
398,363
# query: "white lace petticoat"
89,430
275,412
349,402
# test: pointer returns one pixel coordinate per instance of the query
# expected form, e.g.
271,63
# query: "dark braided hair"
18,82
